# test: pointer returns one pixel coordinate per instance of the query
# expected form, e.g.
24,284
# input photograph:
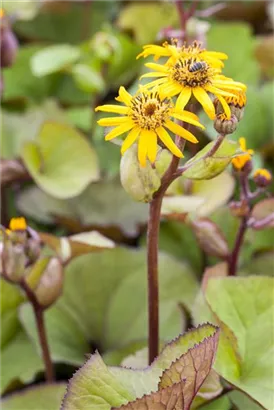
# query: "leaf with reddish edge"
168,398
171,382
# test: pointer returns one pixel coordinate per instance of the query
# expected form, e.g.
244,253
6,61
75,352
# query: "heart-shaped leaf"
171,382
42,397
60,160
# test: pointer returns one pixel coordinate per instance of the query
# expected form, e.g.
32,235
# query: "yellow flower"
17,224
262,172
145,116
173,51
187,76
240,161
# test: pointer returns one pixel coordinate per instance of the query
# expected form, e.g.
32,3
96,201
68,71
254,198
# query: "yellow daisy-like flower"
192,76
145,117
17,224
175,52
240,161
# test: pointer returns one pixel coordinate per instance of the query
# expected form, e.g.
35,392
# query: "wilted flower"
192,73
146,116
240,161
262,177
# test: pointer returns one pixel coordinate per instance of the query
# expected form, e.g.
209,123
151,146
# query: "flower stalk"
38,311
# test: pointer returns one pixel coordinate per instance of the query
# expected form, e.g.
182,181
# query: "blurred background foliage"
72,56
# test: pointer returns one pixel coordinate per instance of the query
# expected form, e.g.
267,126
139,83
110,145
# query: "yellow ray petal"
142,149
154,74
118,131
182,132
151,142
170,89
225,106
215,54
219,91
169,143
130,139
124,96
157,67
112,108
242,143
183,99
201,95
154,83
111,121
188,119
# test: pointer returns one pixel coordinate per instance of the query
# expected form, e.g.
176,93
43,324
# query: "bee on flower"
192,72
147,118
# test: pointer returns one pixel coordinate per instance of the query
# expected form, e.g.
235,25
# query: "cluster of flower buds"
223,123
23,263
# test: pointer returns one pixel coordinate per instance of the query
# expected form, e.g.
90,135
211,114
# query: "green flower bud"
225,126
142,182
13,261
50,285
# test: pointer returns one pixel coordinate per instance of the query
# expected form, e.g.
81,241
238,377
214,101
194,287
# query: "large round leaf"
90,308
61,161
41,397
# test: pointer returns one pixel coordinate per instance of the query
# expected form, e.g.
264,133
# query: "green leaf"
248,321
63,22
223,403
210,167
75,245
53,59
19,361
18,128
42,397
262,264
26,86
158,383
76,319
242,401
223,37
102,205
61,161
87,78
205,196
25,10
164,15
11,298
125,325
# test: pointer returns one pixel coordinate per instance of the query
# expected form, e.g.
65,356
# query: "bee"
197,66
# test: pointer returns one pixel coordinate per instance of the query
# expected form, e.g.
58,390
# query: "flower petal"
153,74
183,99
118,131
242,143
201,95
112,121
182,132
124,96
188,118
112,108
142,149
151,142
169,143
225,106
215,91
130,139
157,67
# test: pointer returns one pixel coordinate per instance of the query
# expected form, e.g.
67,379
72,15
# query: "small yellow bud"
262,177
18,224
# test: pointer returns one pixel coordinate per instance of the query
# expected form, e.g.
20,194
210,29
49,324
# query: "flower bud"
33,249
50,285
13,260
262,178
210,237
225,126
8,44
142,182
